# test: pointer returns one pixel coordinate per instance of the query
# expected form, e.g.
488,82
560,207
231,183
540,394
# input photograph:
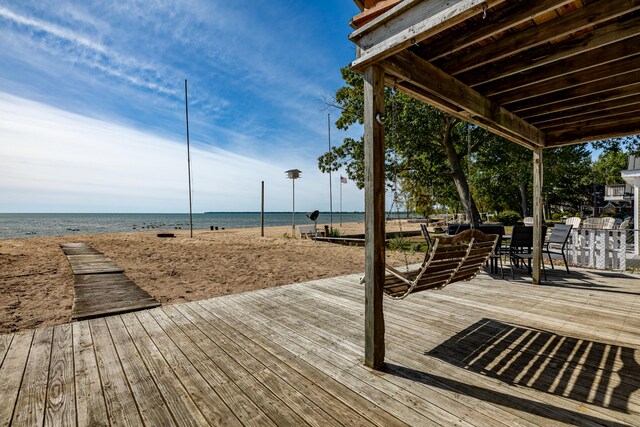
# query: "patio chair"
496,255
521,248
574,221
557,242
453,229
528,221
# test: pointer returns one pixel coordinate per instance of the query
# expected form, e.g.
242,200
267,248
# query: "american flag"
343,180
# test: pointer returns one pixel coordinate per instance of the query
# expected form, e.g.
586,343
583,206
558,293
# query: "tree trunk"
459,178
524,204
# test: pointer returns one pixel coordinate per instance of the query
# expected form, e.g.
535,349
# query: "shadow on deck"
585,371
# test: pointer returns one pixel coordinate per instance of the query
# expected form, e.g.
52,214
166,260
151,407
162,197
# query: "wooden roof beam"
593,65
565,82
618,129
587,100
592,110
537,35
593,119
408,23
626,27
579,92
429,98
408,66
512,15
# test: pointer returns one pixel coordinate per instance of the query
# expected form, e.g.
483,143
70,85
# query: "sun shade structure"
541,74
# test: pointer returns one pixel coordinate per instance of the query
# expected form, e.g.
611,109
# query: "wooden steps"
101,287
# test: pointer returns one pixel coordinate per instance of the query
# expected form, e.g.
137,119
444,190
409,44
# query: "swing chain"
394,143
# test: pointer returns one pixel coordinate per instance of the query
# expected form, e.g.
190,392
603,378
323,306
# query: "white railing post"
600,252
615,250
623,250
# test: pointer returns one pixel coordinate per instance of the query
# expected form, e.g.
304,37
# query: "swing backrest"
452,259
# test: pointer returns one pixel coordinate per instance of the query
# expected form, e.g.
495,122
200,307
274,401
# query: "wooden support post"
374,180
537,215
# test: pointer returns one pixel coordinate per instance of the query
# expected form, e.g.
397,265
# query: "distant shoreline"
42,225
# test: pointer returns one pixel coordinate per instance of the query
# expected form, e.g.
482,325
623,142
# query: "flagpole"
186,106
330,191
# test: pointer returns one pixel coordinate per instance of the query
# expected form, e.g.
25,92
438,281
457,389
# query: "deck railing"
600,249
614,191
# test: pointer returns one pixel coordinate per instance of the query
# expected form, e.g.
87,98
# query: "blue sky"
92,103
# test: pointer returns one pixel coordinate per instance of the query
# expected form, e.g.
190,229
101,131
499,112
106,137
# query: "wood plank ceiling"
544,73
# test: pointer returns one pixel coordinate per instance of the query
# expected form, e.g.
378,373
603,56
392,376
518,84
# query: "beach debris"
166,235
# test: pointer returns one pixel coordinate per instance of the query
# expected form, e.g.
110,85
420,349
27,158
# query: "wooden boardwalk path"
100,285
484,353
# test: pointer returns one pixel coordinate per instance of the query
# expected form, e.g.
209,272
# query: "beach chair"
452,259
307,231
573,221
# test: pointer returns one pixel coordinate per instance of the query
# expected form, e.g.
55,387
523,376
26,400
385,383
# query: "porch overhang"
541,74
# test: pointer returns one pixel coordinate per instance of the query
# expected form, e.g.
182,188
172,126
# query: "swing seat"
452,259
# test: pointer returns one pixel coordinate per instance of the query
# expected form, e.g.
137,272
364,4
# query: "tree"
425,147
503,175
608,167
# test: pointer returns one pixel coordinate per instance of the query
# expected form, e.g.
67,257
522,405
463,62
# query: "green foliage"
415,140
508,217
399,244
335,233
418,247
566,175
500,168
556,216
606,169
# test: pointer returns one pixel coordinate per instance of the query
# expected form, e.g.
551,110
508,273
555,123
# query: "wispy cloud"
81,49
51,29
257,70
77,163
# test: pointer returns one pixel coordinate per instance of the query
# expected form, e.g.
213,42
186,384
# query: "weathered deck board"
484,353
33,391
12,373
61,402
100,286
90,404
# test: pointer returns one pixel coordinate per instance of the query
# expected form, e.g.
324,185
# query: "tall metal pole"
262,212
293,214
186,106
330,191
340,200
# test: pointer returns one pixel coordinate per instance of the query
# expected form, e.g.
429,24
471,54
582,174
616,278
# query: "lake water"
34,225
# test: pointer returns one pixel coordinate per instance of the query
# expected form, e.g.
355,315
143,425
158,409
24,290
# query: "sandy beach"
36,281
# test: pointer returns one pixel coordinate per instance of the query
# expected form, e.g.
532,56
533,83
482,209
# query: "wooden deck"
100,286
484,353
